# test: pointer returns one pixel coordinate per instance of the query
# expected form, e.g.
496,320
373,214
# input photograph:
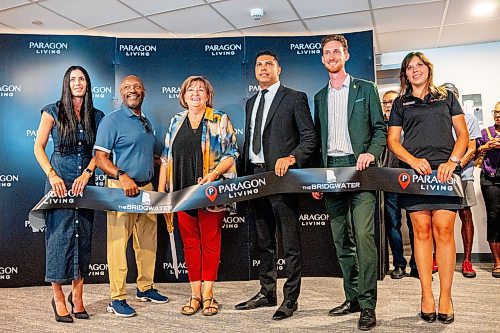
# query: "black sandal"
189,310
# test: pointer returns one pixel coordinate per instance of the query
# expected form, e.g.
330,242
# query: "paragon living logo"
6,272
48,48
171,92
232,222
8,180
169,267
98,269
305,48
280,263
101,92
307,220
222,49
9,90
137,50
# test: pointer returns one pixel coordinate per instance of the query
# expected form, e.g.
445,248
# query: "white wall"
474,69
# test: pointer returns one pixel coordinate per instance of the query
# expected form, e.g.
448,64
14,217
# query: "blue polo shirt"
122,133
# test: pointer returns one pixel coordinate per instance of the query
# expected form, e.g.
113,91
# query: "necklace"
195,120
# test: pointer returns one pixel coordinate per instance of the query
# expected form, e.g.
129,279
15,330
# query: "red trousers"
202,242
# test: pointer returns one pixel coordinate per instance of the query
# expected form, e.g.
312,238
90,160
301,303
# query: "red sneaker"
467,270
434,266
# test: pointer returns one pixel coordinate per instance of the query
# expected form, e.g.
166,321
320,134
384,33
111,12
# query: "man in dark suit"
279,135
349,120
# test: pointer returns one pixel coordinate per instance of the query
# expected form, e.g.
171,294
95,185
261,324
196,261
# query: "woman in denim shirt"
72,122
200,147
489,146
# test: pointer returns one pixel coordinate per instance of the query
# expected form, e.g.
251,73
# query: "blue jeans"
392,216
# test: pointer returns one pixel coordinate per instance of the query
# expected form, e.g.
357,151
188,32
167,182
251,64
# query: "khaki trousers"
120,227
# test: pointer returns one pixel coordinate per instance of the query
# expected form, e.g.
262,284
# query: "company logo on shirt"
48,48
305,48
216,50
137,50
8,180
9,90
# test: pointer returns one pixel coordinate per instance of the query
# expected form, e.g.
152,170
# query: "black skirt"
416,202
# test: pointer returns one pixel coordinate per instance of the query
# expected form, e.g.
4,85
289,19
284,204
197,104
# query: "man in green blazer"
349,121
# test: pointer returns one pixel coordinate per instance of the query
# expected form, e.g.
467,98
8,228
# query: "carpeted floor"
477,304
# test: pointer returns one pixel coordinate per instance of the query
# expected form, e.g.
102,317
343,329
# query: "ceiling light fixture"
256,13
484,8
37,22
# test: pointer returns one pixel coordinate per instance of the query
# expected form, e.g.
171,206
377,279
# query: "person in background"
427,114
200,147
469,201
72,122
392,210
489,149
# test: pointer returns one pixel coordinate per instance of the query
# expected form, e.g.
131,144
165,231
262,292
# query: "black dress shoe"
286,310
78,315
257,301
346,308
367,320
62,319
446,318
398,273
429,317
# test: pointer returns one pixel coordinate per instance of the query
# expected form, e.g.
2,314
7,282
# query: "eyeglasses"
495,113
387,102
145,124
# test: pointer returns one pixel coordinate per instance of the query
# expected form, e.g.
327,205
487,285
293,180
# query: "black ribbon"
250,187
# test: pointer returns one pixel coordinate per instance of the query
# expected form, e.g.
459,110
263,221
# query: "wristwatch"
89,172
119,173
454,159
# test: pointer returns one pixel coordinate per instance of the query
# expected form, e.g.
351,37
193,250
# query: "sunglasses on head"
145,125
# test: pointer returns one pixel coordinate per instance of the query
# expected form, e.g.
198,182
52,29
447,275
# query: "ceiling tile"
461,34
419,16
322,8
8,30
408,40
21,18
238,12
390,3
231,33
141,27
283,29
461,11
192,21
148,7
344,23
93,12
12,3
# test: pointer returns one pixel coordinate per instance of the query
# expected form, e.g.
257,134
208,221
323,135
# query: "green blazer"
367,129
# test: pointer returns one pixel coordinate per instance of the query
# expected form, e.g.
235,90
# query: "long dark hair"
67,122
406,88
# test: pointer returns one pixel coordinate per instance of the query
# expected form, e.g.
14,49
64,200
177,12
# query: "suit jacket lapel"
274,105
353,92
248,112
323,119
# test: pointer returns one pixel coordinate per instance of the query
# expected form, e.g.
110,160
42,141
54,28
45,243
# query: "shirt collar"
346,83
129,113
273,88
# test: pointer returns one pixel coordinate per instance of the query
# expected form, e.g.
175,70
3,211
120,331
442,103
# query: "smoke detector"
257,13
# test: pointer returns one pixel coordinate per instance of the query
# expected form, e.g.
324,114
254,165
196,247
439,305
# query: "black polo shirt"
427,126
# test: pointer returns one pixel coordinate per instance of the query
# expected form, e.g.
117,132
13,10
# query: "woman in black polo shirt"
427,114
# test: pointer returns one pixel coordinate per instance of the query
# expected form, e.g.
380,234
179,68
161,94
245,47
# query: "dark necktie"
256,143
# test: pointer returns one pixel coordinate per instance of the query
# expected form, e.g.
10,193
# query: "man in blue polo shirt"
128,135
